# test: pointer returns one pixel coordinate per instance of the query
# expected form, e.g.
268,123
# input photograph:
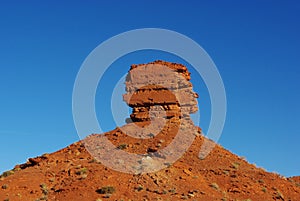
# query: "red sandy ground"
72,174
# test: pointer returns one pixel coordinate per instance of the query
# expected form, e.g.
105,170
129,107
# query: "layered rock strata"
159,89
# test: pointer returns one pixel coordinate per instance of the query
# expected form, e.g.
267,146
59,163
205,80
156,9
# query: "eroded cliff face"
159,89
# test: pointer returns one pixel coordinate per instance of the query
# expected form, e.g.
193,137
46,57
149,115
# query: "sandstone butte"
75,174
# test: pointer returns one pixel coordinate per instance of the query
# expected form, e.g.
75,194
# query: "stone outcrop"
159,89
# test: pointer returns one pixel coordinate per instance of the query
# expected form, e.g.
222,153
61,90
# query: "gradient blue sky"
255,46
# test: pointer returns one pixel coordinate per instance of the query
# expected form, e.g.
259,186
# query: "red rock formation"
73,173
160,87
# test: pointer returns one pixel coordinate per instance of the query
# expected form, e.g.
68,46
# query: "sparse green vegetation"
122,146
226,172
106,190
139,188
5,186
82,171
44,189
235,165
7,173
215,186
264,189
17,169
173,190
279,195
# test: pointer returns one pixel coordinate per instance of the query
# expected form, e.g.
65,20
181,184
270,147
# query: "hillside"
72,174
91,170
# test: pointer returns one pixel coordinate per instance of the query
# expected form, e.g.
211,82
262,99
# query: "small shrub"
17,169
226,172
279,195
44,189
106,190
235,165
215,186
82,171
122,146
4,186
264,190
139,188
7,173
173,190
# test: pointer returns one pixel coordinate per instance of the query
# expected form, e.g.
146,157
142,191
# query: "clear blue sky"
255,46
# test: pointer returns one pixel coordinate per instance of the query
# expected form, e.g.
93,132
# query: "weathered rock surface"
160,84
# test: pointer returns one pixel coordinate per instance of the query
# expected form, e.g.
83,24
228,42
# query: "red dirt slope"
74,174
